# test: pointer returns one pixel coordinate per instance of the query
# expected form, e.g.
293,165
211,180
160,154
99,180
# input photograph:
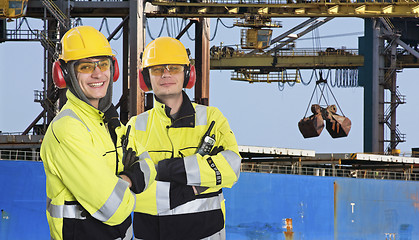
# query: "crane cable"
175,29
104,22
322,90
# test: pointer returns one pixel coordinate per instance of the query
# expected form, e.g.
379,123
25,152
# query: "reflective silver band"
193,174
141,122
234,160
144,155
162,196
145,168
69,113
201,115
221,235
114,201
129,233
64,211
196,206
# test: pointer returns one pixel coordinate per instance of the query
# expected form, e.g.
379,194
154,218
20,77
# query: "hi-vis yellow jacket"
167,210
85,197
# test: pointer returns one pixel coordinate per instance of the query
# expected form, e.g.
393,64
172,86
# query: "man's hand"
132,171
129,158
216,150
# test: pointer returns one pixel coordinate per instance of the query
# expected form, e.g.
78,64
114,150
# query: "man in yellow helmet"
90,187
193,147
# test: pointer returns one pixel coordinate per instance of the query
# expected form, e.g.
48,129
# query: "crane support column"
124,108
136,46
202,60
370,76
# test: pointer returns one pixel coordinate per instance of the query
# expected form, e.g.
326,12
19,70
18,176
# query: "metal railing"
217,52
287,1
100,0
22,34
20,155
328,172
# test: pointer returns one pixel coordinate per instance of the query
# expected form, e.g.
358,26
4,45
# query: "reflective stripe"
135,199
141,122
234,160
197,205
201,115
128,233
144,155
221,235
162,196
145,168
69,113
64,211
193,174
113,202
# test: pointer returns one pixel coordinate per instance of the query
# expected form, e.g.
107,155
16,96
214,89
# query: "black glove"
129,158
133,171
216,150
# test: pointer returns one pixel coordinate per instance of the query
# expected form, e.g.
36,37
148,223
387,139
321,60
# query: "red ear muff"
57,75
116,69
191,78
144,80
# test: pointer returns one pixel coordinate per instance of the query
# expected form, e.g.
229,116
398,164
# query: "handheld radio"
207,141
124,140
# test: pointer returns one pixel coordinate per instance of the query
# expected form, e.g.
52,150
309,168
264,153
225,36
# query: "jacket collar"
84,107
186,114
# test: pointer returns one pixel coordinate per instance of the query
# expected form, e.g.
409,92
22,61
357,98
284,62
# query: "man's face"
93,75
167,80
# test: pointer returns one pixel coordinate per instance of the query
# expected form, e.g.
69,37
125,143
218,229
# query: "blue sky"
259,114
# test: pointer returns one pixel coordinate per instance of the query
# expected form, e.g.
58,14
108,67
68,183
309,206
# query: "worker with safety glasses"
192,145
91,178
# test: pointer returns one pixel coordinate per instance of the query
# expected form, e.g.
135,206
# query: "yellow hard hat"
164,50
83,42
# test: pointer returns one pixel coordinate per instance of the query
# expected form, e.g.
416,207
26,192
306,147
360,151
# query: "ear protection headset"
60,72
188,82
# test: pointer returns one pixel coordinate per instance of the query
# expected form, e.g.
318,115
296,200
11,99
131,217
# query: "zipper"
170,140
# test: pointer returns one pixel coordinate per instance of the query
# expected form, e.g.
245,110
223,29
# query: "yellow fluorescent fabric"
150,129
80,164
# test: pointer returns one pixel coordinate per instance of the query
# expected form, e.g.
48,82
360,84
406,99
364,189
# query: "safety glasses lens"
159,70
89,67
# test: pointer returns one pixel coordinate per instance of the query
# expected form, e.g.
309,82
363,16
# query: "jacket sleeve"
216,171
161,196
82,170
143,172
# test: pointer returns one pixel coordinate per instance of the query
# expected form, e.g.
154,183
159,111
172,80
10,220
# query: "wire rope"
161,29
224,24
281,86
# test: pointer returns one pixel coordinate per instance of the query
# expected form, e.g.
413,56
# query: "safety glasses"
172,68
89,67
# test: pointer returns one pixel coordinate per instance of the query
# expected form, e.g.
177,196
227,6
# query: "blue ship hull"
259,206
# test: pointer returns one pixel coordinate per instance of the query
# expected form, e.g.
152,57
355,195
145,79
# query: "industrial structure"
388,45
